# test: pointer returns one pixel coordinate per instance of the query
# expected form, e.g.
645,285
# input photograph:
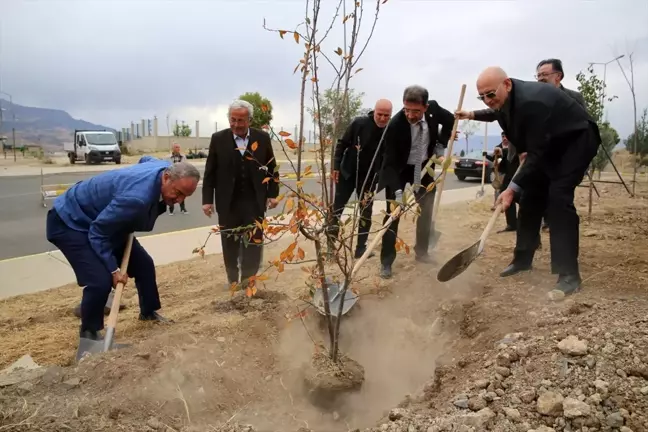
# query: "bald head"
493,86
382,112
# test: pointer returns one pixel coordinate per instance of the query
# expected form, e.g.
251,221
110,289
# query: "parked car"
470,165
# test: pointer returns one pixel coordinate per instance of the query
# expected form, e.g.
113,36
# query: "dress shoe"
386,271
425,259
507,229
514,268
154,316
90,334
568,284
360,251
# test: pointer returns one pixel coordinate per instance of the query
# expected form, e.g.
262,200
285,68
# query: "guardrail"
51,191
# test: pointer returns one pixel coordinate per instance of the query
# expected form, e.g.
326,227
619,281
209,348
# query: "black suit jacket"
575,95
220,169
536,118
398,143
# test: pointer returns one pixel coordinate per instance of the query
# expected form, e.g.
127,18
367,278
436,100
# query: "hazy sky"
113,61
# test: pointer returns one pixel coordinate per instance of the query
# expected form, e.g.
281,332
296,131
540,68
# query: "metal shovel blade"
480,193
435,235
458,263
90,347
335,297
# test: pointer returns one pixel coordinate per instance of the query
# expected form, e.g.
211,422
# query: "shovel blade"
459,263
435,235
335,298
91,347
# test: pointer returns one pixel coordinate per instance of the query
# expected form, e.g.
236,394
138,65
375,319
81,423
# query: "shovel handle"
439,187
114,310
394,215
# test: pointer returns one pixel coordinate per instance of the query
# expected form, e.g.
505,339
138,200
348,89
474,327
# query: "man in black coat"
239,160
550,71
358,157
412,137
559,139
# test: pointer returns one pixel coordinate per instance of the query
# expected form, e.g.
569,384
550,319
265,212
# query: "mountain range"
46,127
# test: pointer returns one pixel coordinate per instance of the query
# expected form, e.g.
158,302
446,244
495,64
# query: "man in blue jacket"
90,224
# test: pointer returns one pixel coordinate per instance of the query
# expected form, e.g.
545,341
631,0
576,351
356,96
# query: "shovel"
89,346
480,193
434,234
460,262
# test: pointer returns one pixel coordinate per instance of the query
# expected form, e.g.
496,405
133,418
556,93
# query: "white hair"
241,104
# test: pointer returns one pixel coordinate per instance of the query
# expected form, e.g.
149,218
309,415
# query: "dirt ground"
476,353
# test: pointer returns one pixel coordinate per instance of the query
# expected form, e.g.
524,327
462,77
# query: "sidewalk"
33,273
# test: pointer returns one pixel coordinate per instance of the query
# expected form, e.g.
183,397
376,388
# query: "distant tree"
468,129
181,130
462,153
593,90
262,115
364,111
642,135
609,140
331,99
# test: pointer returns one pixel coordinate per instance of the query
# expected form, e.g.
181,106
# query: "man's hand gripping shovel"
89,346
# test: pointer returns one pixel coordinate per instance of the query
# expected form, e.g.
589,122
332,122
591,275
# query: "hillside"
41,126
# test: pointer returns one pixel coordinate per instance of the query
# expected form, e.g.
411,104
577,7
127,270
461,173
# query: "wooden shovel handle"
394,215
441,183
493,218
114,310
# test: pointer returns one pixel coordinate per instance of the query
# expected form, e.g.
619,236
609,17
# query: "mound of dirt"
520,362
326,380
263,300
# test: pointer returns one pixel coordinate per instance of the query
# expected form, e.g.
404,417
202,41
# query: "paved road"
22,218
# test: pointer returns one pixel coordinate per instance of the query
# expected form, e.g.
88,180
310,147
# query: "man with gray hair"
240,175
90,224
411,139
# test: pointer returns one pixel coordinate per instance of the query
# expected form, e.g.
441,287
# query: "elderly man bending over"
90,224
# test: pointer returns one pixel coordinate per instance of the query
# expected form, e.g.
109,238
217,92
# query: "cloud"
112,62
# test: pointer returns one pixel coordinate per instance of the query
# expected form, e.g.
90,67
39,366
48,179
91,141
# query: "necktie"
418,156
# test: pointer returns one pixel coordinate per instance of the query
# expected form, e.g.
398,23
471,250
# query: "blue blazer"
111,205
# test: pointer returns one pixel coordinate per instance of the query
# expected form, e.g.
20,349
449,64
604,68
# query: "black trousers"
343,191
182,207
424,226
552,188
242,256
92,274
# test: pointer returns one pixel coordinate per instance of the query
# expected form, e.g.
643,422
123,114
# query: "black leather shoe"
568,284
386,271
89,334
507,229
426,259
154,316
360,252
514,268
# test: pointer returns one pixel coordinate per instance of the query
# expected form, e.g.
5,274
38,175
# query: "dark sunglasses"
490,94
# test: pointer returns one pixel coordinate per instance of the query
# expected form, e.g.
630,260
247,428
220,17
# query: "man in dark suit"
559,139
550,71
412,138
239,160
90,224
356,169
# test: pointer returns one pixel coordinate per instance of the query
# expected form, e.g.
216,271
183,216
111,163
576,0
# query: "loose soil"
476,353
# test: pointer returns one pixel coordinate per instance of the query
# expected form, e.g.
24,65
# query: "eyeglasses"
490,95
544,75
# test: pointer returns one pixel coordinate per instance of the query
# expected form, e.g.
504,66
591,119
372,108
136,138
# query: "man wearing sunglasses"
90,224
411,139
559,139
